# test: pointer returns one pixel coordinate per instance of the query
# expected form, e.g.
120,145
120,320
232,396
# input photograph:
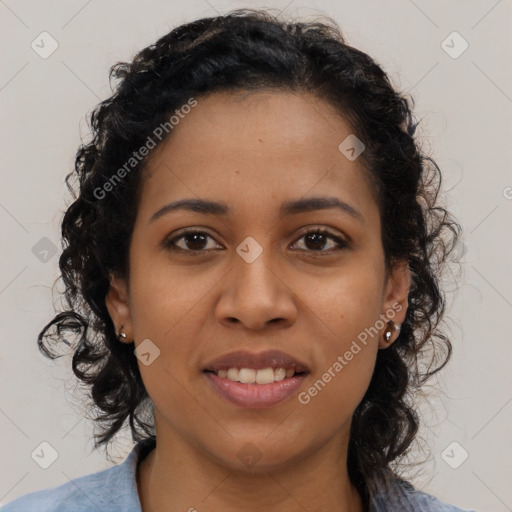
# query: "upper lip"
266,359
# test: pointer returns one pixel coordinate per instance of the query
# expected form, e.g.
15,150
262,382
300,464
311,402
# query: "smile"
256,380
251,394
254,376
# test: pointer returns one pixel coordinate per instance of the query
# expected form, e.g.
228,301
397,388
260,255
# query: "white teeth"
251,376
265,376
247,376
233,374
279,373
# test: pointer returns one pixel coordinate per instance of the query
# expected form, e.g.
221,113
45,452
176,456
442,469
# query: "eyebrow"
292,207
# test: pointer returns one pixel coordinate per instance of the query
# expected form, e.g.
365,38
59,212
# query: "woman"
252,268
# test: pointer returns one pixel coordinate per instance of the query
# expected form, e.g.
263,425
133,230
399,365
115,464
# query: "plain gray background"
464,102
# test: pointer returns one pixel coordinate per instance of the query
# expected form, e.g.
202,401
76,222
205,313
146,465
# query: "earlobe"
395,302
118,307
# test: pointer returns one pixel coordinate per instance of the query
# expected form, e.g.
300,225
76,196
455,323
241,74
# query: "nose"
255,296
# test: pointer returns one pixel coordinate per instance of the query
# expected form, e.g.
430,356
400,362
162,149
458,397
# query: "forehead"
255,150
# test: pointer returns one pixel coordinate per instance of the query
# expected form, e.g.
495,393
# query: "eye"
316,240
191,241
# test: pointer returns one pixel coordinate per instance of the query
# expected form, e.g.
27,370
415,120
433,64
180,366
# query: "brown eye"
191,241
321,241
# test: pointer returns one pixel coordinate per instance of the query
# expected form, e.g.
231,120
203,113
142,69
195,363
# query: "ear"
118,307
396,294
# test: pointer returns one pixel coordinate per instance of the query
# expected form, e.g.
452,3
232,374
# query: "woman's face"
254,280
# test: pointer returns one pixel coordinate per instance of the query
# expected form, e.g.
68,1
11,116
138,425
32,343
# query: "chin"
259,454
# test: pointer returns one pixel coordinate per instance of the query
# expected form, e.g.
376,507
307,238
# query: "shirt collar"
125,478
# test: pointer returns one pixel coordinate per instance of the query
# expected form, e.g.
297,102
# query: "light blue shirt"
115,490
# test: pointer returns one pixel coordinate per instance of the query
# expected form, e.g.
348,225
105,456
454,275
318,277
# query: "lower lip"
255,395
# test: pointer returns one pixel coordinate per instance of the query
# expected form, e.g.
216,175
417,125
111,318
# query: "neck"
177,476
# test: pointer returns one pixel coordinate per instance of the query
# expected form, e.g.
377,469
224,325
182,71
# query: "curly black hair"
241,51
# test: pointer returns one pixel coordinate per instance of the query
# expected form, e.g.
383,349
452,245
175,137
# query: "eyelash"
342,244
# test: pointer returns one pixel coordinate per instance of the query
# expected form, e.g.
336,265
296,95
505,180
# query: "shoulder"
80,494
403,496
109,490
426,502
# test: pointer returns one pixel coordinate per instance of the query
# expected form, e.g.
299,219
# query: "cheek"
163,298
339,382
172,321
346,314
330,400
172,318
344,304
167,308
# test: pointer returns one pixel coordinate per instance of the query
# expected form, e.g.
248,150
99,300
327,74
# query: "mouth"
256,380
